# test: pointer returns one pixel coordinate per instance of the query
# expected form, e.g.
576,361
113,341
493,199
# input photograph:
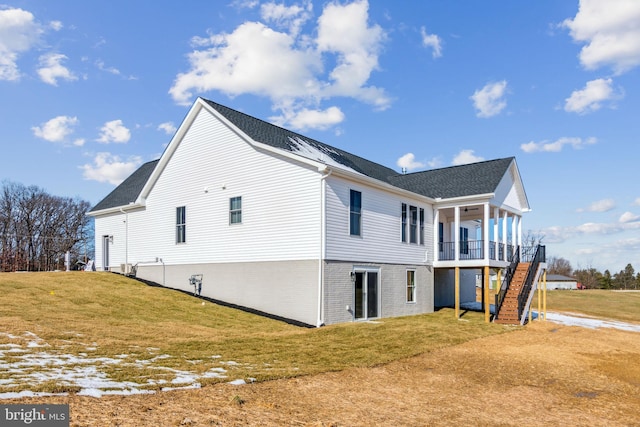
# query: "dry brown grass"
115,316
619,305
542,374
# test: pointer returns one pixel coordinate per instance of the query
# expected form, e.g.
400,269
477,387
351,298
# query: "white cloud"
610,31
289,67
433,41
309,119
291,18
114,131
489,101
558,234
102,67
435,162
344,31
168,127
110,168
591,97
629,217
408,162
51,69
557,145
636,202
604,205
56,129
56,25
465,157
19,32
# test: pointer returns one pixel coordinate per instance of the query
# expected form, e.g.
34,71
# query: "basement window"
411,286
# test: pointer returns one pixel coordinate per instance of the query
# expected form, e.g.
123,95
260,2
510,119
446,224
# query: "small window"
421,226
355,213
181,224
235,210
413,226
411,286
404,222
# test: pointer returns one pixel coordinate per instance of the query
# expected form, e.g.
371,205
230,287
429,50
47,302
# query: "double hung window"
235,210
181,224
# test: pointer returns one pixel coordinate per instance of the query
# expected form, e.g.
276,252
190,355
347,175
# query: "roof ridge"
458,166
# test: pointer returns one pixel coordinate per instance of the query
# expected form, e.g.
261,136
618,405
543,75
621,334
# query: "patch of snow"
28,393
37,366
318,153
590,322
238,382
189,387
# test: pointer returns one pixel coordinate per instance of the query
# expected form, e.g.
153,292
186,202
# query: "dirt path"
545,374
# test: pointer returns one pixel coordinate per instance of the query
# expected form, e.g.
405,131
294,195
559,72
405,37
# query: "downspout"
126,241
323,243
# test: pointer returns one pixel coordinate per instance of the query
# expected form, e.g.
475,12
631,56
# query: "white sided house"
282,224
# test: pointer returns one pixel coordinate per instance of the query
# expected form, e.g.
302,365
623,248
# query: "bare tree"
559,265
37,229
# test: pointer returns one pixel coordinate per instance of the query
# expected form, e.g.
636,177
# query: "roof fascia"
168,152
116,209
457,201
514,165
364,179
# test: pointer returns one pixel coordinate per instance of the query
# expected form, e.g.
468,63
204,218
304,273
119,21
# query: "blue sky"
91,90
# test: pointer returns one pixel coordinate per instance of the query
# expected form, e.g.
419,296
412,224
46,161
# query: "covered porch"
476,234
474,241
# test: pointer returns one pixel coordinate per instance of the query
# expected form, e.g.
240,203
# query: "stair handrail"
506,282
523,296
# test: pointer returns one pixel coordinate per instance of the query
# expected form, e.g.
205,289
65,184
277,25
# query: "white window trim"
406,286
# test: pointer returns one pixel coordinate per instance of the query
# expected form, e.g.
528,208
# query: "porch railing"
474,249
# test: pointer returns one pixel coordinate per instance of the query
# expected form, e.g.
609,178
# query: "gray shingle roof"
129,190
281,138
455,181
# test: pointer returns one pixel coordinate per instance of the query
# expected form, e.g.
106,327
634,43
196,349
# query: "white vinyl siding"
210,166
380,224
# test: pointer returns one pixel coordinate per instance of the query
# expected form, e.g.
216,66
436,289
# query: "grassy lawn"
153,336
624,306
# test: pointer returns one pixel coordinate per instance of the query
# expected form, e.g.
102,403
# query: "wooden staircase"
508,314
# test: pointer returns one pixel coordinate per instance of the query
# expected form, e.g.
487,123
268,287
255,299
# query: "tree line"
37,229
591,278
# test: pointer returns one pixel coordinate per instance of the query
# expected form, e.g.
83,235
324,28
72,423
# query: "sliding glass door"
366,294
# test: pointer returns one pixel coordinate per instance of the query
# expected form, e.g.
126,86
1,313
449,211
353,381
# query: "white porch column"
485,232
520,231
436,235
496,229
514,228
456,232
505,220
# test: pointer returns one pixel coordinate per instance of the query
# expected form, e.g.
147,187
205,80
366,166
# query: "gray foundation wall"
287,289
338,290
445,286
